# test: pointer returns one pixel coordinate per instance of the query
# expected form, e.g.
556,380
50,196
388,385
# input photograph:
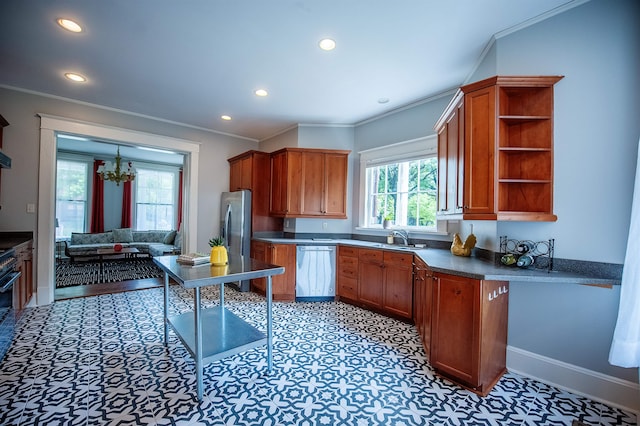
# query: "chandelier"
115,172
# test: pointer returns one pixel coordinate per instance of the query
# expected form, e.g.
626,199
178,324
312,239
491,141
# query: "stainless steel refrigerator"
235,226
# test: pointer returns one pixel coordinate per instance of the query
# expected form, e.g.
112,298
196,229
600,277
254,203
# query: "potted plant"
386,222
219,254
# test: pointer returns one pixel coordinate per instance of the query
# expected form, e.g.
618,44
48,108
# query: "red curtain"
96,219
125,221
179,199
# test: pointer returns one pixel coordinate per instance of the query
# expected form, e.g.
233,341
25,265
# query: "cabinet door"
294,179
283,286
235,175
259,252
370,277
479,152
313,177
335,184
455,327
422,301
240,174
398,284
246,172
23,288
442,170
279,185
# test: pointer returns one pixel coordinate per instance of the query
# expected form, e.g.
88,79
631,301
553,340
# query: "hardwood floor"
106,288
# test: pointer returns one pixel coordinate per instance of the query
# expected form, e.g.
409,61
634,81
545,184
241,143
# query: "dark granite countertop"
13,239
440,260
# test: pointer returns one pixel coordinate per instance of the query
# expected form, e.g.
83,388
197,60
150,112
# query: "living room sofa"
152,243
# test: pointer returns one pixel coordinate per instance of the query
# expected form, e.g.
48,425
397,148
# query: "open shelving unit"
525,147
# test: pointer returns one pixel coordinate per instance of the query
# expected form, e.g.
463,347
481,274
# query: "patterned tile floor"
101,361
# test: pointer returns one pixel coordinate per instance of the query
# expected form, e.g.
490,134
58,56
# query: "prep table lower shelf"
223,333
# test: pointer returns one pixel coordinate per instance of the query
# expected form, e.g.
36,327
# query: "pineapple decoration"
219,255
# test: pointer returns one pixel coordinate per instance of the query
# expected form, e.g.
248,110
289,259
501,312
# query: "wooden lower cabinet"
469,330
23,287
375,279
422,302
370,278
283,287
398,284
347,274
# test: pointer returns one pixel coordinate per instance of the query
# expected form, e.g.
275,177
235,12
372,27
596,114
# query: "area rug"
84,273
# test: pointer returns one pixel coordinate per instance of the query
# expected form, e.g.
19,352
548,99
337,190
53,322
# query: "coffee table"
128,252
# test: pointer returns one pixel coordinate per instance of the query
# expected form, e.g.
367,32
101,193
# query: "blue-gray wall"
596,46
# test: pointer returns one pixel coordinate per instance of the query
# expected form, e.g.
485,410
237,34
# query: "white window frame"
160,167
66,156
395,153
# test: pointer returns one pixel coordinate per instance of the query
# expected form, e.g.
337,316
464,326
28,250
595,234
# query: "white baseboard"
597,386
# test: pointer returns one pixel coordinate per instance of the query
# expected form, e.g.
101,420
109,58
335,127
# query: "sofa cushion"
148,236
169,238
162,249
178,240
97,238
122,235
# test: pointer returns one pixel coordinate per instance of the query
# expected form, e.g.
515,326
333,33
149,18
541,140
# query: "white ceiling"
190,62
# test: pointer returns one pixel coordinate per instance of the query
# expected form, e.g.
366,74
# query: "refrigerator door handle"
225,230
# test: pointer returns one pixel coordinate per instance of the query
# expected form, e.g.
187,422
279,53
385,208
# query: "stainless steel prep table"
227,334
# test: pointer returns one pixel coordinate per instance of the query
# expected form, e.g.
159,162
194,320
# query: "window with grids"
403,192
72,193
155,198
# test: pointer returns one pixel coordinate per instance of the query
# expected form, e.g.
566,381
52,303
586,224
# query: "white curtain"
625,349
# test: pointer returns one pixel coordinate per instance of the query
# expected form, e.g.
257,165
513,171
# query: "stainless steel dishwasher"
315,273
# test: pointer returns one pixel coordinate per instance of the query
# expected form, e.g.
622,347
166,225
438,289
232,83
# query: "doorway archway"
49,126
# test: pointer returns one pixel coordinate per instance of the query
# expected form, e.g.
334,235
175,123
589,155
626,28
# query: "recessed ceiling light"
383,100
261,92
75,77
69,25
226,117
327,44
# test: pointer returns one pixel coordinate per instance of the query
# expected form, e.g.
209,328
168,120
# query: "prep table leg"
166,309
269,330
198,348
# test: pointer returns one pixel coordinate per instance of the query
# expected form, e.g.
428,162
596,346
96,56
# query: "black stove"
8,275
8,315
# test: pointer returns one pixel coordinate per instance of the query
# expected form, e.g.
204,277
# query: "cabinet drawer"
348,270
348,261
348,288
370,255
347,251
401,259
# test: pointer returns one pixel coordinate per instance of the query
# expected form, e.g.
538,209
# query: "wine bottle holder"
541,251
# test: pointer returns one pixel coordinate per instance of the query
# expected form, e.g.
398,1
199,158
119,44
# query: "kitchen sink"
391,246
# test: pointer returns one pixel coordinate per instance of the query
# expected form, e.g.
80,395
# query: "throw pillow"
178,240
122,235
169,238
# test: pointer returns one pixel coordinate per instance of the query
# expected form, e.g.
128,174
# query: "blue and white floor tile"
101,361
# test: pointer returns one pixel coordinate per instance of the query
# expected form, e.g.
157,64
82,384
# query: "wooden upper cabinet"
479,152
309,183
504,156
251,170
451,157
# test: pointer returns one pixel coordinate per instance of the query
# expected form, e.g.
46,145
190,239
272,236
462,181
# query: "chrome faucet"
402,234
